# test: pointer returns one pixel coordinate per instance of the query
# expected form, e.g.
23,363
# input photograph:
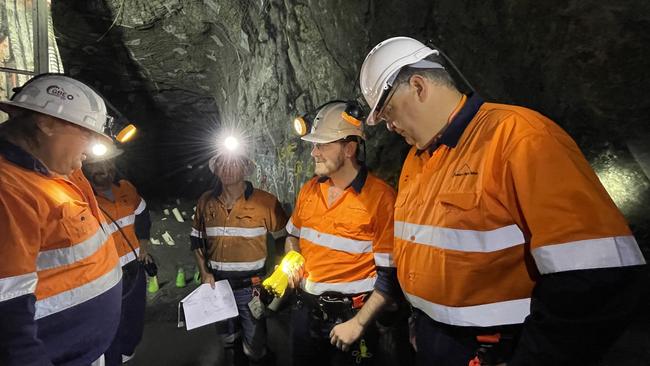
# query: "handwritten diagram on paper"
206,305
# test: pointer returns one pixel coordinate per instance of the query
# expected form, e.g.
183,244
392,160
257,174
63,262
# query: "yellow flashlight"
278,281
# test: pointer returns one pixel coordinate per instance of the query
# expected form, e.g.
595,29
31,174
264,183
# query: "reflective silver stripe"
336,242
122,222
129,257
235,231
458,239
15,286
486,315
64,256
76,296
140,207
354,287
384,260
292,229
279,234
617,251
196,233
237,266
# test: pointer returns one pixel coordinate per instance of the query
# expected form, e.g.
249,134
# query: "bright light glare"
231,143
99,149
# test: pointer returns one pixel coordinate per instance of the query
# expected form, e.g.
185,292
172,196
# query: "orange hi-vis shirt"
505,197
124,209
236,240
52,241
344,244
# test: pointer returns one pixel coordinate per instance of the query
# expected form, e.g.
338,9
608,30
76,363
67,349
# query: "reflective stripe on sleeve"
617,251
16,286
292,230
140,207
384,260
195,233
129,257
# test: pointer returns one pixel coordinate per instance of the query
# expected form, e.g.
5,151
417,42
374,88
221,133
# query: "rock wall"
183,69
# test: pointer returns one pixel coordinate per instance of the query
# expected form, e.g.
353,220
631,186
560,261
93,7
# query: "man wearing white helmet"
229,239
342,225
506,243
129,225
60,279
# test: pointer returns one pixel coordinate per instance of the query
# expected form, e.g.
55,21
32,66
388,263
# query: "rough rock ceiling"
180,68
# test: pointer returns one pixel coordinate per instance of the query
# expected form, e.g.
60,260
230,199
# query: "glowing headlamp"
126,133
231,143
99,149
300,125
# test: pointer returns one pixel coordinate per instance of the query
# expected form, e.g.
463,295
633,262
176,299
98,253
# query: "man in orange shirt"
506,243
343,226
129,224
60,278
229,239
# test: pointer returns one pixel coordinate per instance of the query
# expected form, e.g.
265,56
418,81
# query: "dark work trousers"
131,326
311,342
444,345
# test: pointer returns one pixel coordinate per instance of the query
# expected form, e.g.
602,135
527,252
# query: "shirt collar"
458,124
357,183
22,158
248,191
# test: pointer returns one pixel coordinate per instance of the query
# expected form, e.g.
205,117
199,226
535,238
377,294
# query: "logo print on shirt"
464,171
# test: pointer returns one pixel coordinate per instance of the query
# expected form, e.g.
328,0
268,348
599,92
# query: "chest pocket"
249,217
77,221
459,208
353,221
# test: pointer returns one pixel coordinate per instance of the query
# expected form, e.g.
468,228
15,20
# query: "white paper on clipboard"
206,305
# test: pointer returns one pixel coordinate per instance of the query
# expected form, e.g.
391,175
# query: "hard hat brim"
10,108
321,139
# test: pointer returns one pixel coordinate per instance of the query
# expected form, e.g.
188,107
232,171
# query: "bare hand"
343,335
207,278
294,278
144,257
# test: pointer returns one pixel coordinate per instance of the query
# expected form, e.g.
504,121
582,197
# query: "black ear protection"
353,114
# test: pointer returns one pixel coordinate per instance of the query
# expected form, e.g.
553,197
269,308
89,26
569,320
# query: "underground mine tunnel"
189,74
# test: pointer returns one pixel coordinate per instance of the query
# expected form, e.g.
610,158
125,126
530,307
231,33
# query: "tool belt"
243,282
332,305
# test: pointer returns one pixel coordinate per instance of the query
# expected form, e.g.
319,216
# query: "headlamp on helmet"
353,114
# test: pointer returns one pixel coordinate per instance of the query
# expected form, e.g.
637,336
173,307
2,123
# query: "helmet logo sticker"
59,92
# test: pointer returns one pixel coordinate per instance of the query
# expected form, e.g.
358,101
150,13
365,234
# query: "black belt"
242,282
333,305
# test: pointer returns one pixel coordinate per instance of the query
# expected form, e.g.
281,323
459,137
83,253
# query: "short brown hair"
21,126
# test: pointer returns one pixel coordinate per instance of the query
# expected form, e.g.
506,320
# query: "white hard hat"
383,63
61,97
332,124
